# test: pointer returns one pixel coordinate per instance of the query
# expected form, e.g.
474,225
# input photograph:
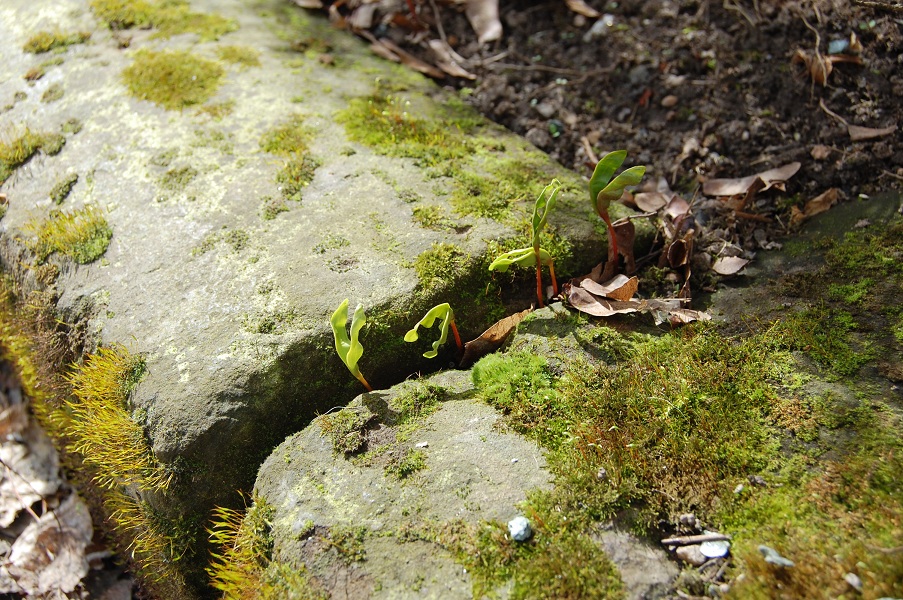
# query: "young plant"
534,256
349,350
602,190
443,312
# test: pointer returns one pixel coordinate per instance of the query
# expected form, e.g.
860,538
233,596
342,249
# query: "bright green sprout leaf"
524,257
349,350
543,206
442,311
602,190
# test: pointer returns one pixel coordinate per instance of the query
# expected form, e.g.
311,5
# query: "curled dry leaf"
491,339
651,201
662,309
819,66
677,207
729,265
49,556
741,185
817,205
620,288
448,60
484,18
858,134
582,8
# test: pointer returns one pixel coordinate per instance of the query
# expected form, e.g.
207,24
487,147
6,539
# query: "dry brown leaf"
817,205
30,473
820,152
447,60
650,201
741,185
677,207
484,18
491,339
49,556
362,17
411,61
858,134
620,288
586,302
582,8
729,265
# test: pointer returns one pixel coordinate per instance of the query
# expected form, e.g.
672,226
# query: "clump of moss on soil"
290,141
82,234
172,79
45,41
175,180
346,429
168,17
63,187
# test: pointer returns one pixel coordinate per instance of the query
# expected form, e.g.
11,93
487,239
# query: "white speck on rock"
519,528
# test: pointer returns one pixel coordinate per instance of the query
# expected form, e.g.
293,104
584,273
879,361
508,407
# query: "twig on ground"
880,5
688,540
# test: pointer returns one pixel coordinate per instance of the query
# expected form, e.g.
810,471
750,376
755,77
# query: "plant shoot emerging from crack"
534,256
603,189
349,350
447,316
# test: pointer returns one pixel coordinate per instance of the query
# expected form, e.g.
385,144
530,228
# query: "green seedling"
445,313
603,189
349,350
534,256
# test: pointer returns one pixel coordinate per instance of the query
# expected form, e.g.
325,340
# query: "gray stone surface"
238,349
470,473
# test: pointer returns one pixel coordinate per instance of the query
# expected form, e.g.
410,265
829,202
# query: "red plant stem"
364,381
457,337
612,242
538,278
552,275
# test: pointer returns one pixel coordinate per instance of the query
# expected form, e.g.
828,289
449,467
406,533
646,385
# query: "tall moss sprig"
534,255
602,190
350,349
447,316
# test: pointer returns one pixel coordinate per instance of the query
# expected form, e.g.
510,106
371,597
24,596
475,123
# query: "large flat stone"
230,309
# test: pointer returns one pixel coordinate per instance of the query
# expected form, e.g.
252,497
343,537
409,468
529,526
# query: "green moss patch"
290,140
16,152
175,180
242,56
168,17
63,187
83,235
36,73
346,429
45,41
172,79
52,93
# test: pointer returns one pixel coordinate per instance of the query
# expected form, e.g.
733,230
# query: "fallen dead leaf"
729,265
447,60
49,556
741,185
650,201
484,18
411,61
620,288
30,470
662,309
582,8
585,301
817,205
491,339
858,134
677,207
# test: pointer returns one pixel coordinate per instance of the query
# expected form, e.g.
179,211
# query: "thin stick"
879,5
688,540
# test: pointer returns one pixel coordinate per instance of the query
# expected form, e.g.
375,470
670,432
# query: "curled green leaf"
350,349
523,257
543,206
602,189
447,316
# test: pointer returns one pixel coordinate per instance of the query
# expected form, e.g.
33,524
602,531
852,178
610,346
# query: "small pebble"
423,445
670,101
772,557
513,460
691,555
519,528
602,474
854,581
688,520
757,480
739,488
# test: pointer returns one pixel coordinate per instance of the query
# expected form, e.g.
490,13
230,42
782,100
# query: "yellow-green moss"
82,234
243,56
15,153
217,110
175,180
45,41
62,188
442,264
53,93
290,140
35,73
173,79
168,17
345,429
242,566
431,217
101,424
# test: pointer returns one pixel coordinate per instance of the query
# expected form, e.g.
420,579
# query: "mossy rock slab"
246,200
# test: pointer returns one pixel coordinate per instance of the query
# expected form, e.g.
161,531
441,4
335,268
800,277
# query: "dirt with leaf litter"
692,90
